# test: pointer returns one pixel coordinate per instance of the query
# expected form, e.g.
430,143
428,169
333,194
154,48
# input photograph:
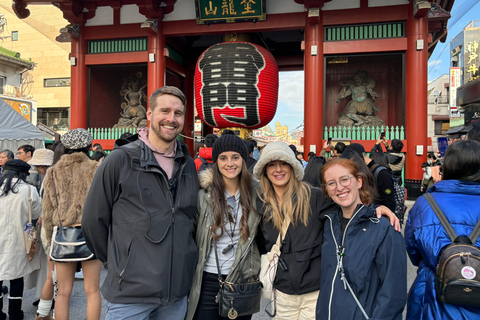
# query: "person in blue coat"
364,265
458,196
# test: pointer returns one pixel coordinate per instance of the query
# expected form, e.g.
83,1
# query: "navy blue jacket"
375,265
425,237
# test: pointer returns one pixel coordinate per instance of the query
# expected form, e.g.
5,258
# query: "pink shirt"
165,160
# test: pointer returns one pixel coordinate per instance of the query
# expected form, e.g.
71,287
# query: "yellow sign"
22,107
472,55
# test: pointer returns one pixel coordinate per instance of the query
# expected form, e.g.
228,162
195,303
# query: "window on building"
56,82
14,35
441,126
54,118
2,84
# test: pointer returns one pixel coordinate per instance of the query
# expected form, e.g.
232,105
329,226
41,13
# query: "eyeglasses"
20,152
344,182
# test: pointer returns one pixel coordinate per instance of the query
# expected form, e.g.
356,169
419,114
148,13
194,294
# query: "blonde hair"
295,204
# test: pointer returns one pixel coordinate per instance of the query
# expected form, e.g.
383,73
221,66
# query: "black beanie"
17,165
229,142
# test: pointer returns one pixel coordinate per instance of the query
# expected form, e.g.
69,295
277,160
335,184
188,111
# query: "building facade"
49,81
438,109
464,56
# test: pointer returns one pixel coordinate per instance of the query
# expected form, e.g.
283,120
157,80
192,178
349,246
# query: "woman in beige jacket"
14,262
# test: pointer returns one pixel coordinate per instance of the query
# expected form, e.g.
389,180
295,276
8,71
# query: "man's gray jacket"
133,222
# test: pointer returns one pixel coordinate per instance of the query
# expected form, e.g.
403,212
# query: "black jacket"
385,188
301,248
134,222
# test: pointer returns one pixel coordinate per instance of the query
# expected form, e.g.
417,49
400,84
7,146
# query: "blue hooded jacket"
375,265
425,237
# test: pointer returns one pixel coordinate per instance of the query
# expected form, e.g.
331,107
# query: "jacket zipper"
173,202
340,250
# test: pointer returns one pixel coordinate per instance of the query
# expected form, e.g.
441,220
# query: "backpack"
399,192
457,275
205,165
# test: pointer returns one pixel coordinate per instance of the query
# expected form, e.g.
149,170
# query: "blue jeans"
146,311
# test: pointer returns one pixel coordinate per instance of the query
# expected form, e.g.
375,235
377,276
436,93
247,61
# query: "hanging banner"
454,84
221,11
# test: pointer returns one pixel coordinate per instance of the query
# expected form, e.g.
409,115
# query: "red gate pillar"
416,94
78,83
156,59
189,125
313,68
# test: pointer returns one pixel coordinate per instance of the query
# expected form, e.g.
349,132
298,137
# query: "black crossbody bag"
236,300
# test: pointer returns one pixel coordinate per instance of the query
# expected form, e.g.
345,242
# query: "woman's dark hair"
380,158
220,207
59,151
313,171
369,180
85,150
97,155
340,147
7,177
462,161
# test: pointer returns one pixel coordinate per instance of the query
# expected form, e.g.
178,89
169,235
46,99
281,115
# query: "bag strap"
29,204
475,233
377,172
220,280
56,199
443,220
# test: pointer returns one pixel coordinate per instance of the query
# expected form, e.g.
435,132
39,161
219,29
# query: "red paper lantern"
236,85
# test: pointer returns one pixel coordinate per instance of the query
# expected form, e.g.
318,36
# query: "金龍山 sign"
220,11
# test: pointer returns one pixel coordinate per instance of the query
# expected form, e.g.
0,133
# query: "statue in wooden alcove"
133,112
361,109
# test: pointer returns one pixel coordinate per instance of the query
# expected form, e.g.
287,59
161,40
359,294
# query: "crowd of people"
178,235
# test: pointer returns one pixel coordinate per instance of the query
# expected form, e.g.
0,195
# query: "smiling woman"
289,204
360,252
227,224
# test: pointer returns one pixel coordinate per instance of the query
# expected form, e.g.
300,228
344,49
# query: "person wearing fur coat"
14,262
232,222
66,186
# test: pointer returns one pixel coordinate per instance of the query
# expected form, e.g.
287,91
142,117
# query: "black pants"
207,308
16,287
16,291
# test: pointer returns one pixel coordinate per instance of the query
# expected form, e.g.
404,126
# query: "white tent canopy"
15,130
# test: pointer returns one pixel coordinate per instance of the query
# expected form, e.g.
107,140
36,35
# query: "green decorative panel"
117,45
365,32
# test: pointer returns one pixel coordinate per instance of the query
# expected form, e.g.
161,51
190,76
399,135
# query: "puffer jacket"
133,222
65,186
374,263
247,256
424,239
302,247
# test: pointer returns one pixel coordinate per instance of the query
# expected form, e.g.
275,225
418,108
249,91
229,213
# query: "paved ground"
78,301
